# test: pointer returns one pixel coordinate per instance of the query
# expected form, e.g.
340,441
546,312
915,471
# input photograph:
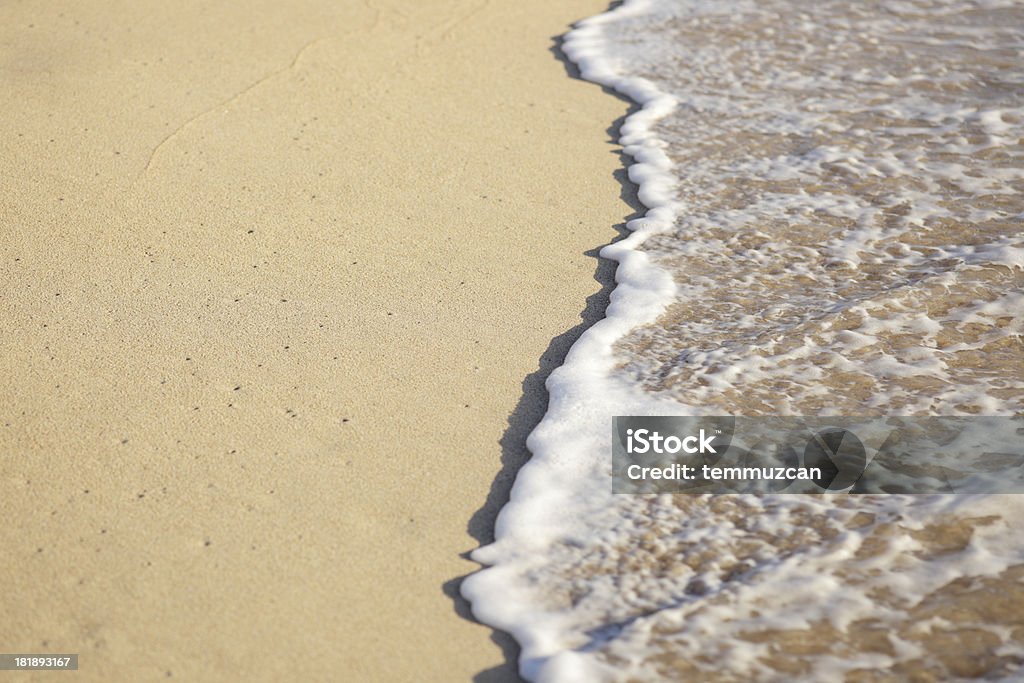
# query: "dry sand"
273,275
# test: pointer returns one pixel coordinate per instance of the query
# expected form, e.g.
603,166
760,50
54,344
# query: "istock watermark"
900,455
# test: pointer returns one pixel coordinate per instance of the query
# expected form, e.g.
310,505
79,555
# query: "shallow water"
850,178
835,195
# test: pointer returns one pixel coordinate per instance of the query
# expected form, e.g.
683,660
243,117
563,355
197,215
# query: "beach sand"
272,278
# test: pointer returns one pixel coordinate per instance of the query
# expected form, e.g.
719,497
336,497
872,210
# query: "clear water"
834,227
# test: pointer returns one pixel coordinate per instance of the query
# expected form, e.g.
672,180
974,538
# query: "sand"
279,285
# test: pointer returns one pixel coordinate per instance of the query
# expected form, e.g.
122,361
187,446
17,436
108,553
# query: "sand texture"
272,276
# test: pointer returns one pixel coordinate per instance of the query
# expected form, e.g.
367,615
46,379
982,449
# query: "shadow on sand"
534,401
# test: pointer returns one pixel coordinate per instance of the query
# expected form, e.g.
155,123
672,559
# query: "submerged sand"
272,277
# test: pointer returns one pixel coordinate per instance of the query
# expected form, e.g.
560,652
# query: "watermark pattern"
38,662
668,454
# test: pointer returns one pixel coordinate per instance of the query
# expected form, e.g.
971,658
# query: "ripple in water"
839,188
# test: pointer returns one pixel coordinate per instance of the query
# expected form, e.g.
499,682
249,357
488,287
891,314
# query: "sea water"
833,196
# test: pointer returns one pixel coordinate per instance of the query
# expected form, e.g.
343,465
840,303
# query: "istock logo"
643,441
877,455
839,455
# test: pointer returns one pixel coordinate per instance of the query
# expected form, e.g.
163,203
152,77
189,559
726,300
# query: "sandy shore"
272,279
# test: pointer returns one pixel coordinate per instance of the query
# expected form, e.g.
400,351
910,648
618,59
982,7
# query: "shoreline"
277,280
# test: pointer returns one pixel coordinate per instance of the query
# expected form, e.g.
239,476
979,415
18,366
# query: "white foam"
563,487
758,273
